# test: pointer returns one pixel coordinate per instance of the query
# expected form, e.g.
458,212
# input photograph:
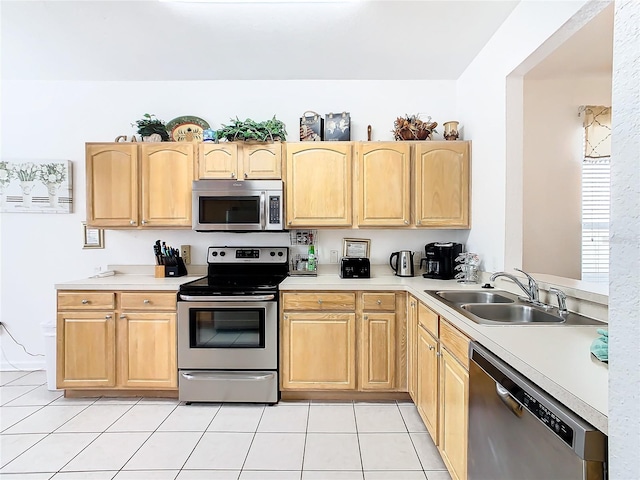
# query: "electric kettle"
403,266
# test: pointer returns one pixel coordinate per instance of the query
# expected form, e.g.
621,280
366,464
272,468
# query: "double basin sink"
499,308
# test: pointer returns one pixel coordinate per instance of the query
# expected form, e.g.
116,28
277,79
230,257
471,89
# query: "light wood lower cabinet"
427,382
442,386
318,351
130,346
341,341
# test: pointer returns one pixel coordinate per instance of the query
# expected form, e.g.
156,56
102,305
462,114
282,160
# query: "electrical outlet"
185,253
333,256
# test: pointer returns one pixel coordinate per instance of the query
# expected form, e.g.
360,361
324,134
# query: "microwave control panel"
274,210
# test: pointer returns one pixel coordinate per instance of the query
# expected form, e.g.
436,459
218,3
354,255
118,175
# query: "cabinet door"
85,349
262,161
318,184
454,408
377,351
427,381
218,160
383,197
147,350
442,184
318,351
167,176
412,346
112,184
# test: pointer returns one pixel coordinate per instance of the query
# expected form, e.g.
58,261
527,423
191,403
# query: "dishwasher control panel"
561,429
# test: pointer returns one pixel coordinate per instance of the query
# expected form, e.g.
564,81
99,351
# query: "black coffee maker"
440,260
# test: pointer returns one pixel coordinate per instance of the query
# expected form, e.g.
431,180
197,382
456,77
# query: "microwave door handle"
263,220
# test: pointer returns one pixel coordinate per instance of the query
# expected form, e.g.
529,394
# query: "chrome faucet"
562,299
532,291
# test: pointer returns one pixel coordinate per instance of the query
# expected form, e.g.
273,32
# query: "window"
596,194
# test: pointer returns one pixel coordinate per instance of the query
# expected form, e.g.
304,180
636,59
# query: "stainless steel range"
228,327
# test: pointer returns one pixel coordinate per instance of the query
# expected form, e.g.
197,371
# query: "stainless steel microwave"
237,206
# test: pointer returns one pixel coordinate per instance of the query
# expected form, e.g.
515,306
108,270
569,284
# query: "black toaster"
352,267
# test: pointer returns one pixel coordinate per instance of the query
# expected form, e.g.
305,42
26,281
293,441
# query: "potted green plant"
248,130
150,124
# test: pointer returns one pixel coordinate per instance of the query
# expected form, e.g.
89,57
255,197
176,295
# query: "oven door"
236,334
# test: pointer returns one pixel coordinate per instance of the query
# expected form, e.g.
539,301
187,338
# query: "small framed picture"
356,247
92,237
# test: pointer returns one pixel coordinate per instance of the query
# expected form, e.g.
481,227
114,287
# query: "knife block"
177,270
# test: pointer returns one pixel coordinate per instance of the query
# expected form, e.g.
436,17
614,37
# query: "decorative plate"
186,128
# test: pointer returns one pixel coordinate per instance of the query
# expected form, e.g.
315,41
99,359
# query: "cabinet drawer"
319,301
456,342
428,319
373,301
86,300
148,300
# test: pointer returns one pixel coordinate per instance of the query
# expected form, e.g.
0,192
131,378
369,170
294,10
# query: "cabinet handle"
366,317
145,301
418,222
85,302
406,222
319,301
289,223
132,222
379,302
233,175
123,316
286,317
107,317
413,304
438,354
144,222
246,175
430,347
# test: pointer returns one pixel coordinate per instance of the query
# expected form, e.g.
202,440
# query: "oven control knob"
222,254
273,254
280,254
214,254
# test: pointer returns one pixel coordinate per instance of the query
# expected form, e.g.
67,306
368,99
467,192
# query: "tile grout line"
251,444
200,439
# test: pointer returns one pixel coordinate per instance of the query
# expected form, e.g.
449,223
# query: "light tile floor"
45,436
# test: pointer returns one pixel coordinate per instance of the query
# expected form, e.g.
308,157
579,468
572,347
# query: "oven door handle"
227,375
231,298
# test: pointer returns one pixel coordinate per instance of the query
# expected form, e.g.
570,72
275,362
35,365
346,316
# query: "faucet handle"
533,285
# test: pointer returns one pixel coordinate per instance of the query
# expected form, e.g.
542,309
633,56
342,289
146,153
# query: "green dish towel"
600,346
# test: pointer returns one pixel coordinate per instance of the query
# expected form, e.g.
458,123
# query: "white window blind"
596,195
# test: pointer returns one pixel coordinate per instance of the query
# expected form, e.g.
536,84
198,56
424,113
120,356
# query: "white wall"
482,99
552,169
624,288
52,120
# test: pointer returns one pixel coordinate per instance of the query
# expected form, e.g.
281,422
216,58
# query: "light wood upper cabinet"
442,186
318,351
112,184
139,185
242,161
383,189
167,176
319,184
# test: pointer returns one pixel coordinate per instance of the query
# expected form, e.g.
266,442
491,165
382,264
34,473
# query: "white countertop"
555,357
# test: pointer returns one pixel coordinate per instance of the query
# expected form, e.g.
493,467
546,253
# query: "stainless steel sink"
511,313
498,307
456,296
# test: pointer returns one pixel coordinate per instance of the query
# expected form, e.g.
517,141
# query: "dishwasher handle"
506,398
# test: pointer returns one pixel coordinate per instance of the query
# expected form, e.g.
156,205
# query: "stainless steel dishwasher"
519,432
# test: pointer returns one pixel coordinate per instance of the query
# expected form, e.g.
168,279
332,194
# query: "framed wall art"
356,247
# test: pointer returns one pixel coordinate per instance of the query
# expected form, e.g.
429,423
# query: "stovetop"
241,271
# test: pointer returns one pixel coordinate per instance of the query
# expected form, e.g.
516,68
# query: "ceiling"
166,41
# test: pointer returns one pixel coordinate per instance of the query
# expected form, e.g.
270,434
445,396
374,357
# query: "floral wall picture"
28,187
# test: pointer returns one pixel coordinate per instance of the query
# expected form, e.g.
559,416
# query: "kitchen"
23,100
